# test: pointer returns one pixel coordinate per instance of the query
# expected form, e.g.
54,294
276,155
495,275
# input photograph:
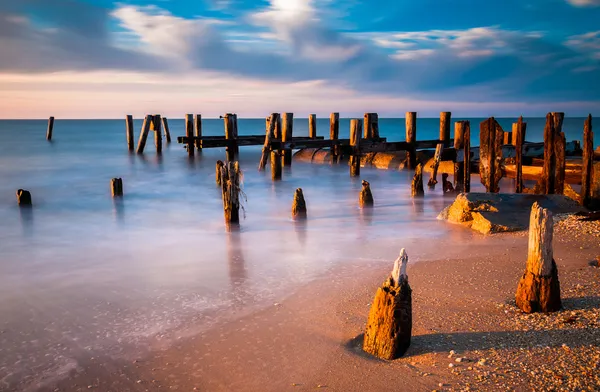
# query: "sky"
106,59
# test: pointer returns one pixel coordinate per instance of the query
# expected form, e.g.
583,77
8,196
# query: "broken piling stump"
189,133
436,164
411,139
116,187
446,185
539,288
50,129
355,131
275,165
218,170
389,327
416,188
129,132
365,198
299,205
144,134
24,198
230,186
270,135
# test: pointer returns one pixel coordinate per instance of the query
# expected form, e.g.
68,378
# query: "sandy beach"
467,333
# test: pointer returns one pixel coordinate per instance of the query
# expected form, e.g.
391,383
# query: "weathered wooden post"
218,171
416,189
507,138
116,187
519,131
129,132
230,136
334,133
312,126
277,133
235,135
549,170
144,134
539,288
50,128
389,327
198,131
355,133
560,145
299,205
365,198
490,154
445,122
275,165
587,162
514,133
271,123
459,167
24,198
446,185
411,139
287,129
230,185
371,126
156,127
165,124
436,164
189,133
467,158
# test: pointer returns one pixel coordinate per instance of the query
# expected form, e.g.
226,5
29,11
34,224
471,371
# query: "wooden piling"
275,165
514,133
230,185
156,127
365,198
459,167
437,158
467,158
165,124
235,135
355,133
299,205
218,171
116,187
144,134
490,154
198,130
312,126
389,327
24,198
445,122
271,123
547,181
560,144
50,129
371,126
334,133
507,138
416,188
129,132
587,162
189,133
519,130
539,287
278,128
229,121
411,139
287,129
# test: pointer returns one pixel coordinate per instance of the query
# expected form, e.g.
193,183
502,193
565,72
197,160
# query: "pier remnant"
189,133
437,158
232,150
459,144
287,129
389,327
416,189
230,185
411,139
50,129
467,158
129,132
560,146
275,165
218,170
24,198
365,198
445,122
270,135
334,134
165,124
519,131
299,205
355,132
144,134
371,126
546,183
198,131
587,163
446,185
116,187
312,126
539,287
156,127
490,154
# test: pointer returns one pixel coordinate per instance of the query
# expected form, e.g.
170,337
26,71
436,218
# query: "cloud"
584,3
588,43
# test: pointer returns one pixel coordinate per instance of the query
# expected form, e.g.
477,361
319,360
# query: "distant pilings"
129,132
50,129
116,187
23,198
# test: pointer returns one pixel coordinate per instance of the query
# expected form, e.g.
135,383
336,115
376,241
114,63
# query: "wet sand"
467,334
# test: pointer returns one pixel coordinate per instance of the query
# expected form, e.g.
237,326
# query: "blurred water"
80,272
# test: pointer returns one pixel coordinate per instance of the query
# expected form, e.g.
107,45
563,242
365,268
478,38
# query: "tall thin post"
50,128
467,153
560,145
490,152
445,122
587,162
230,136
270,135
198,131
436,164
519,129
275,165
549,170
411,138
312,126
165,124
334,133
189,133
144,134
287,130
235,135
355,132
129,132
156,127
459,134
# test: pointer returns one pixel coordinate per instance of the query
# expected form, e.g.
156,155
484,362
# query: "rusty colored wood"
507,138
230,186
355,133
445,123
467,158
116,187
129,132
560,145
459,144
229,122
490,154
334,134
416,188
275,165
144,134
218,171
437,158
547,181
198,131
365,198
165,124
371,126
156,127
587,162
312,126
519,129
271,123
189,133
411,139
287,129
299,205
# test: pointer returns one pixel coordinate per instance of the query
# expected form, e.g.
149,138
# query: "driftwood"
365,198
437,158
129,132
539,287
116,187
411,138
417,182
299,205
389,327
24,198
231,178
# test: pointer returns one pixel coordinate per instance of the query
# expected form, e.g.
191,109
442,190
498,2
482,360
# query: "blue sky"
101,58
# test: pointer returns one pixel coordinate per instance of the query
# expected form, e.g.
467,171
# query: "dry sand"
467,334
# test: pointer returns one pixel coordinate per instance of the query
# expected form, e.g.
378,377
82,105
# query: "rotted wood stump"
230,185
389,327
271,124
218,170
275,165
365,198
539,287
417,182
436,164
24,198
116,187
299,205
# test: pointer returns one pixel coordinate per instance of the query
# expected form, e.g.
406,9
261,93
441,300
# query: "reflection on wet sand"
119,209
26,214
301,226
237,267
418,208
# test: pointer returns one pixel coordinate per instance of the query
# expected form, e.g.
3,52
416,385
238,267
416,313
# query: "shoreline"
461,302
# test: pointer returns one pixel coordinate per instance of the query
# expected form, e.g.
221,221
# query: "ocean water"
82,274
